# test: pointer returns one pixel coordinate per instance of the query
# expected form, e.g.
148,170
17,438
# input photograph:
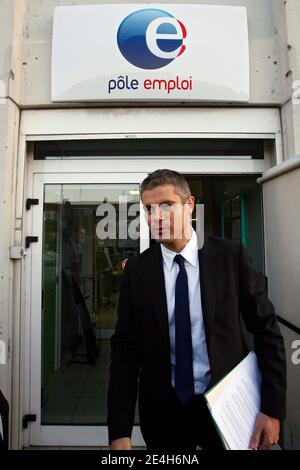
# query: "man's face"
167,216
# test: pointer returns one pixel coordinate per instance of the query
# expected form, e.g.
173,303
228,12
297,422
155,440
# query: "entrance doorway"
75,275
108,146
75,286
75,282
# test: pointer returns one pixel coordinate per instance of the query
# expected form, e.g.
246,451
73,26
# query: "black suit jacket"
140,346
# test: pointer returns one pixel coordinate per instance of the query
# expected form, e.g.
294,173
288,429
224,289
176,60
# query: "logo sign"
151,38
145,53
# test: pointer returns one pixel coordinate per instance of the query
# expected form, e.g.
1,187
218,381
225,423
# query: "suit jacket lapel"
208,264
156,283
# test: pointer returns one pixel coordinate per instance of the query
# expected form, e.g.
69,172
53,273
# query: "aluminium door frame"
62,435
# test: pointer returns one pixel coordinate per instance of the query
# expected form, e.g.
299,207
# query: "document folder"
234,403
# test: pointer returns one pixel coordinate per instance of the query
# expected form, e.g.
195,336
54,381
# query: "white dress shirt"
201,367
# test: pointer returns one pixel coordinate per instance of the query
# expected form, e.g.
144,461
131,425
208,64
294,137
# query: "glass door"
87,225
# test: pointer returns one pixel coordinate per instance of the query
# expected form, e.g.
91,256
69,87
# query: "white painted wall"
293,378
292,113
11,13
282,222
282,230
5,178
281,199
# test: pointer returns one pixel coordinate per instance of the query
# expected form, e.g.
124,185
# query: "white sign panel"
150,52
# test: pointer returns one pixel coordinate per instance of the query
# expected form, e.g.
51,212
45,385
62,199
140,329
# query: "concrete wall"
282,197
282,222
282,226
9,126
267,48
291,111
292,429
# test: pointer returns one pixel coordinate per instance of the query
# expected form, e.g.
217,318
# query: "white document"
235,402
2,352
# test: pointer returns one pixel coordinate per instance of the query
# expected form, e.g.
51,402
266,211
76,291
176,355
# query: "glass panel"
82,270
156,148
232,210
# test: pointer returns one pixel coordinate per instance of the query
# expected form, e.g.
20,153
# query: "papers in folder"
234,403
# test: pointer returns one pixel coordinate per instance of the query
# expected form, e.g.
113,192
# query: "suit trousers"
183,427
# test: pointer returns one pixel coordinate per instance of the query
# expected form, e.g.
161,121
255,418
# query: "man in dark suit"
178,330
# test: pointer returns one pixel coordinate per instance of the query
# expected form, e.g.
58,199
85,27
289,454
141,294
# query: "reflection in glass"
81,280
232,210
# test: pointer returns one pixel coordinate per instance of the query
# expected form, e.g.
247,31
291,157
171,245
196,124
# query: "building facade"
59,159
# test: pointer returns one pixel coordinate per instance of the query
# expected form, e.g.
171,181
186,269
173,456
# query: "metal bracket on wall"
31,202
29,240
28,419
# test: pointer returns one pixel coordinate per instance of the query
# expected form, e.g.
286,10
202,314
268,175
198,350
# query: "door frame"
63,435
115,123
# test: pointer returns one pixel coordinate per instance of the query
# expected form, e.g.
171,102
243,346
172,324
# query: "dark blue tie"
184,378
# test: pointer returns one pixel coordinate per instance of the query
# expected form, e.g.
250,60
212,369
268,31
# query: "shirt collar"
189,252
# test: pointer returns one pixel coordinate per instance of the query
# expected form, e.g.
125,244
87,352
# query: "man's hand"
266,432
121,444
